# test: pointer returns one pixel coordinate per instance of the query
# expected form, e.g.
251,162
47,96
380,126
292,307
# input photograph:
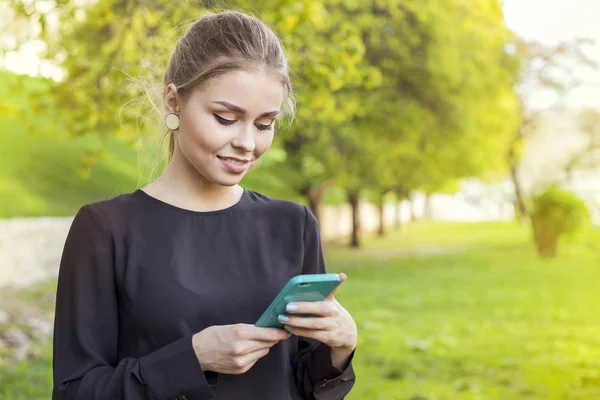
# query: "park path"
30,249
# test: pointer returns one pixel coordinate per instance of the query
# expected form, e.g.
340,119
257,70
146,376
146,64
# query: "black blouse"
138,277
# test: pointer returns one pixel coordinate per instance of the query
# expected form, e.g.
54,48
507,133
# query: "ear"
171,99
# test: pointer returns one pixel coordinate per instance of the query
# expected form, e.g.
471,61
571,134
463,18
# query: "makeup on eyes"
229,122
269,115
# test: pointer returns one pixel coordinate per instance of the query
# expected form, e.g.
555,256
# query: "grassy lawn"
452,311
41,176
486,320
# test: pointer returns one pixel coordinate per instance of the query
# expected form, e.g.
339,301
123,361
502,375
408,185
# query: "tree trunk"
520,207
545,242
381,209
413,214
513,161
314,195
353,200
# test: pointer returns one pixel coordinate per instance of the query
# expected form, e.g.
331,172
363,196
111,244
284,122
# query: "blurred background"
449,148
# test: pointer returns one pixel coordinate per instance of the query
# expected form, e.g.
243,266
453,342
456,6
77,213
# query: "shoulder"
286,210
109,212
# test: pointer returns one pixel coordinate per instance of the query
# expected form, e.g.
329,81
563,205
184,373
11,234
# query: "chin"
228,184
227,180
224,178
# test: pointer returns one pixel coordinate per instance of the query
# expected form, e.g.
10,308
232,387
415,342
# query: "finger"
318,335
343,277
246,361
307,322
271,334
317,308
251,332
251,346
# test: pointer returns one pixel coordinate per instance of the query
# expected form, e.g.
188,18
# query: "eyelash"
228,122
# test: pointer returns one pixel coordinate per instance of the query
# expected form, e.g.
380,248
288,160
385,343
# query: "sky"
552,21
547,21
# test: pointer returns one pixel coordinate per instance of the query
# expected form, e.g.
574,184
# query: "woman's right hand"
234,349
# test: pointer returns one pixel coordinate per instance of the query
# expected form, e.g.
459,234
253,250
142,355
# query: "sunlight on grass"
487,320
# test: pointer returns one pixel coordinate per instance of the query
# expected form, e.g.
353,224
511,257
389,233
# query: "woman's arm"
85,364
321,372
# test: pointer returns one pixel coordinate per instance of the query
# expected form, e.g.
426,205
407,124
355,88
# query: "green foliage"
438,113
389,93
392,96
556,213
434,322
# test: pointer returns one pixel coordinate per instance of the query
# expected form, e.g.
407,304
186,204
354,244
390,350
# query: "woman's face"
227,124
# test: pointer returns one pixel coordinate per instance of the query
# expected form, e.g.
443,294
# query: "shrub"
556,213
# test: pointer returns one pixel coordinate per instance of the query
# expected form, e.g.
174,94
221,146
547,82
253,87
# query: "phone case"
301,288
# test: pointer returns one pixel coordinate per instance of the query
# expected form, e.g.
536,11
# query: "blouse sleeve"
316,377
85,363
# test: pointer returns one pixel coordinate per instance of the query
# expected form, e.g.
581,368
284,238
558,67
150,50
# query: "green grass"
41,176
487,320
452,311
32,379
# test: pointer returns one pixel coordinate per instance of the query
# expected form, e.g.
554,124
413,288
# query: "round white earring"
172,121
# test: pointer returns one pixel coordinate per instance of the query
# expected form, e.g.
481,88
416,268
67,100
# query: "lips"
234,161
234,165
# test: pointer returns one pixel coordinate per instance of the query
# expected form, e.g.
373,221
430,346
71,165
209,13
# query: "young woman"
159,289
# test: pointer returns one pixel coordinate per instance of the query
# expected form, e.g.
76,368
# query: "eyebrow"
240,110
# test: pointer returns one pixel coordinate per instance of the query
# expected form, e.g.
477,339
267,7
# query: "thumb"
343,277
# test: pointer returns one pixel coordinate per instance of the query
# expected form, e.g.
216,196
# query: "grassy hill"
42,167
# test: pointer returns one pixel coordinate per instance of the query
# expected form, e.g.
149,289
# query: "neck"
183,186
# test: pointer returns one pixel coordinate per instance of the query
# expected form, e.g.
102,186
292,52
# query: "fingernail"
291,308
289,335
283,318
287,328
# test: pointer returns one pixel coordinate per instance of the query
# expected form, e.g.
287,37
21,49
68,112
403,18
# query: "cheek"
263,142
203,135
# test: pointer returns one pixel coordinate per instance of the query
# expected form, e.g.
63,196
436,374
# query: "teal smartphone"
301,288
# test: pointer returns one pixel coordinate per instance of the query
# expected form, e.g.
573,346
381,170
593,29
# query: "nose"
245,138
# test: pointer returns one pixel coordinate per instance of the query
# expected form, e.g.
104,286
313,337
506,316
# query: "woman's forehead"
255,90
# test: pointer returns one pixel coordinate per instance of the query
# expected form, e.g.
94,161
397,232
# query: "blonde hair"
219,43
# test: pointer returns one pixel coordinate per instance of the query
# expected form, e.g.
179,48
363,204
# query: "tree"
542,68
447,93
445,104
361,158
324,74
392,96
108,80
588,157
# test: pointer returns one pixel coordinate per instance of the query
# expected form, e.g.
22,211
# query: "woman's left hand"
329,322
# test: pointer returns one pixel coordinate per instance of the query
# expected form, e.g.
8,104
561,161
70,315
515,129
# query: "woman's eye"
265,127
224,121
229,122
